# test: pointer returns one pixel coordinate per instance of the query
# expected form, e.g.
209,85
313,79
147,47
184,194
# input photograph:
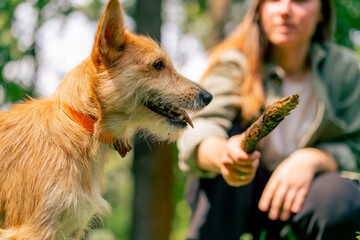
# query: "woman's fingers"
277,201
238,180
237,174
236,153
280,200
299,199
288,202
238,167
267,195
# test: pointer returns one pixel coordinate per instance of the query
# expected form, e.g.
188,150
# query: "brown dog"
52,151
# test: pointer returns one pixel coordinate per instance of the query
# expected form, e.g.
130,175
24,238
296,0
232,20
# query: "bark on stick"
269,120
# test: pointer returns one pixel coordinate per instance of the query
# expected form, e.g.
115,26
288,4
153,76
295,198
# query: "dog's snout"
206,97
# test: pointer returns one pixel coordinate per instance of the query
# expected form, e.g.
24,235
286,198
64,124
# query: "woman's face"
289,22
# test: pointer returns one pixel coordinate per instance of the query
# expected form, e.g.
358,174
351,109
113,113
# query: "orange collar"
88,124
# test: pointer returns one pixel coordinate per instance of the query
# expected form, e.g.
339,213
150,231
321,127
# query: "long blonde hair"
251,41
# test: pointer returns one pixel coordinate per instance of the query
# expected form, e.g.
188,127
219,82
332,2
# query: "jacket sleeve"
216,119
346,147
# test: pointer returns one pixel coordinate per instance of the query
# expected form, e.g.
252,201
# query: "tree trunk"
153,183
152,161
218,10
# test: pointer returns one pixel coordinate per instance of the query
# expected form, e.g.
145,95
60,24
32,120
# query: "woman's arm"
217,118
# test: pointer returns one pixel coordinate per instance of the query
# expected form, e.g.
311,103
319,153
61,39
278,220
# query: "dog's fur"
51,167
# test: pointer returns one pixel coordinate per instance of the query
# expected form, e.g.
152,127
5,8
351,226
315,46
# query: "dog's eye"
159,65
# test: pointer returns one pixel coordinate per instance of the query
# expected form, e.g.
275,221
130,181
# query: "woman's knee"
332,196
331,207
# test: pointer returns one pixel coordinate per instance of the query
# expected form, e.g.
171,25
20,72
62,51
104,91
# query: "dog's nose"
206,97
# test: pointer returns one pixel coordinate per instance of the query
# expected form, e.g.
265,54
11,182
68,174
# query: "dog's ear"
110,37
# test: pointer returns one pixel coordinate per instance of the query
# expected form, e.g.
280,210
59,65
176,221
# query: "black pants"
331,210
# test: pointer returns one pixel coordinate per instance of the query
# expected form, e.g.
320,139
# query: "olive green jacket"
336,129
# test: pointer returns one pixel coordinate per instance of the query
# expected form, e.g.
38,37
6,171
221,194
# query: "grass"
290,235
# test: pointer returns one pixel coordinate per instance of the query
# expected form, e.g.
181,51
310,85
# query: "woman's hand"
238,167
226,157
287,188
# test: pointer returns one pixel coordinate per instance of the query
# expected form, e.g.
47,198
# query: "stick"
269,120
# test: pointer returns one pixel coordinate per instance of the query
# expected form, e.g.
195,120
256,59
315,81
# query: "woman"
280,48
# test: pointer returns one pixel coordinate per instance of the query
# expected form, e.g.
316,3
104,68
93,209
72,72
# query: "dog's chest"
94,198
87,203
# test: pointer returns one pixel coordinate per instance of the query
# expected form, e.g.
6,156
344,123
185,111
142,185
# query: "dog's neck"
88,124
86,112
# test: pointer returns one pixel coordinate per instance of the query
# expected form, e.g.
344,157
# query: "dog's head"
136,83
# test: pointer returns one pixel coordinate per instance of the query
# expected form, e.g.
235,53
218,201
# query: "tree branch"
269,120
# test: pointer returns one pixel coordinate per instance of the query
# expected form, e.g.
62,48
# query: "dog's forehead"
148,44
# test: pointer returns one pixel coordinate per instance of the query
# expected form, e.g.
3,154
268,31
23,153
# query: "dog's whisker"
179,91
148,144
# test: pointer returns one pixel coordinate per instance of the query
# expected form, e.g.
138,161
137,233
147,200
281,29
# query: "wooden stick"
269,120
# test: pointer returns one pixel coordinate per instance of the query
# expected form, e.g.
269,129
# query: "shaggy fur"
50,167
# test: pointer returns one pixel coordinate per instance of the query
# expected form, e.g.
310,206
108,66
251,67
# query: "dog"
53,150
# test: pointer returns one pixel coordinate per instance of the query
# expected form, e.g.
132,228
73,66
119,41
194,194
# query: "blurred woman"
292,184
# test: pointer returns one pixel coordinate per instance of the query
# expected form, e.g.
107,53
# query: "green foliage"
15,92
11,49
8,51
118,191
248,236
197,20
347,17
181,211
357,50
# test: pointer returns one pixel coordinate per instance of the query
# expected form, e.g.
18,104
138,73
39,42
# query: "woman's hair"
251,41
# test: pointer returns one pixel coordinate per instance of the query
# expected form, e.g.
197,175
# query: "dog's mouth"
173,114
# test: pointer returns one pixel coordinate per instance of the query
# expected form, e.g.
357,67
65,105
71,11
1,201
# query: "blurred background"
41,40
